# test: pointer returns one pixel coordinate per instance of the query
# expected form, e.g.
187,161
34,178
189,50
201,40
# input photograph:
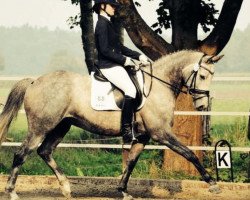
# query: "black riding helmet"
96,7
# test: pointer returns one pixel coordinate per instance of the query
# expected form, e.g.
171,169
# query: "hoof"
13,195
126,196
215,189
65,188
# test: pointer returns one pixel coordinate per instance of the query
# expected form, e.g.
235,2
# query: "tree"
86,24
183,16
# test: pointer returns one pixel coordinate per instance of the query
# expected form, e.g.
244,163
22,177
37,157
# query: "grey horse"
57,100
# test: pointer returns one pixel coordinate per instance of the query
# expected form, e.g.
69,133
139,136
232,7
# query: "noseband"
191,89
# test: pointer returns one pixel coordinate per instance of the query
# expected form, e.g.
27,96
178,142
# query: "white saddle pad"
102,96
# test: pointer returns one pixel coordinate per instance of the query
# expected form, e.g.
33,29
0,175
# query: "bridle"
190,89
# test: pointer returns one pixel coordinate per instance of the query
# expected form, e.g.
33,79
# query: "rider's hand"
128,62
143,59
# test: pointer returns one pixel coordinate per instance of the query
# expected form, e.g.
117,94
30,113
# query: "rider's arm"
102,39
130,53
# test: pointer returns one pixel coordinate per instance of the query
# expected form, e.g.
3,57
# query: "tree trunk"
141,34
184,24
88,39
188,130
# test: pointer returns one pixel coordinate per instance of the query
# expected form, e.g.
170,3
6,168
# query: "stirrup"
134,139
131,136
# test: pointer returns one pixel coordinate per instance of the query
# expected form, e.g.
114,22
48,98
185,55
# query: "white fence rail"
120,146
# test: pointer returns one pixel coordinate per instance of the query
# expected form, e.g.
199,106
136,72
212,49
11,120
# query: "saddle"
106,96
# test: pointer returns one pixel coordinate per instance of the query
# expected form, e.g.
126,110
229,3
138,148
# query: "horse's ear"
214,59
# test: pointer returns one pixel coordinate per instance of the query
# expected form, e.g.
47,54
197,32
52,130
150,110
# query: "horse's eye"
202,77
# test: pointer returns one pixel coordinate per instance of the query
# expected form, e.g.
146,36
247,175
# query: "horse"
56,101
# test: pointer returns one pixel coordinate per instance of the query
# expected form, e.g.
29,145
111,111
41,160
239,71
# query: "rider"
112,58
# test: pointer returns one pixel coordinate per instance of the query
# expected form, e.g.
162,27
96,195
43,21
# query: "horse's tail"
13,105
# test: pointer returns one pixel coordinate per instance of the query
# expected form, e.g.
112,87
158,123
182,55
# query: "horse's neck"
170,74
171,67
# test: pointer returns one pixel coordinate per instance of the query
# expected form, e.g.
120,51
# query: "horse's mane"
177,59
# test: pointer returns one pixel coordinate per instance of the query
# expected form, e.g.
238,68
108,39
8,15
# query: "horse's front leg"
170,141
134,153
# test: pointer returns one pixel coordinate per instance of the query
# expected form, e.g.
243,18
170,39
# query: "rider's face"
110,9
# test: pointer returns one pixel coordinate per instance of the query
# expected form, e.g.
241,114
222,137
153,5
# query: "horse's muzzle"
201,108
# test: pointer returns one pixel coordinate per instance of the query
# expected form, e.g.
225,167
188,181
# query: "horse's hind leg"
31,142
171,142
134,153
46,149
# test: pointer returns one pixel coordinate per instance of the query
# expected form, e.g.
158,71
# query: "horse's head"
198,77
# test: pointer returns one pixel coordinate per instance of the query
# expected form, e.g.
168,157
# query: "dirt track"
47,188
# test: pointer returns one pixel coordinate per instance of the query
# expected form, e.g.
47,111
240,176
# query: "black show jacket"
110,51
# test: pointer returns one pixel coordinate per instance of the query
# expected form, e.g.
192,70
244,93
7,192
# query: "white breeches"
119,77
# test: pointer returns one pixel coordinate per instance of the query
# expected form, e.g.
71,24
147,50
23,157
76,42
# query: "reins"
191,89
151,83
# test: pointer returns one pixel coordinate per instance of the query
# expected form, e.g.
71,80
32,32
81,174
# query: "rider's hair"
97,8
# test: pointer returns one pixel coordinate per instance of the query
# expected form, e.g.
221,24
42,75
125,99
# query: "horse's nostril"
200,108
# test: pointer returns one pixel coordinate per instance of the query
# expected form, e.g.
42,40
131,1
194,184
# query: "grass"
97,162
235,133
73,162
233,96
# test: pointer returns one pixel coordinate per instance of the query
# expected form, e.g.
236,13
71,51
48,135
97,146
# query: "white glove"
143,59
128,62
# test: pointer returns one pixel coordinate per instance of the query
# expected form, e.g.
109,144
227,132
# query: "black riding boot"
126,119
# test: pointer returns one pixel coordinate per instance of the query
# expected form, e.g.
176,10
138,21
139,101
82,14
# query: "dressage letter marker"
223,159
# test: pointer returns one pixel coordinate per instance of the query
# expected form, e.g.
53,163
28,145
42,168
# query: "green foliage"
240,167
164,19
236,134
74,21
206,18
73,162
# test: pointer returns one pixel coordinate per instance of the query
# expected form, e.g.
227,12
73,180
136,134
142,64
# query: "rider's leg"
119,77
127,118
